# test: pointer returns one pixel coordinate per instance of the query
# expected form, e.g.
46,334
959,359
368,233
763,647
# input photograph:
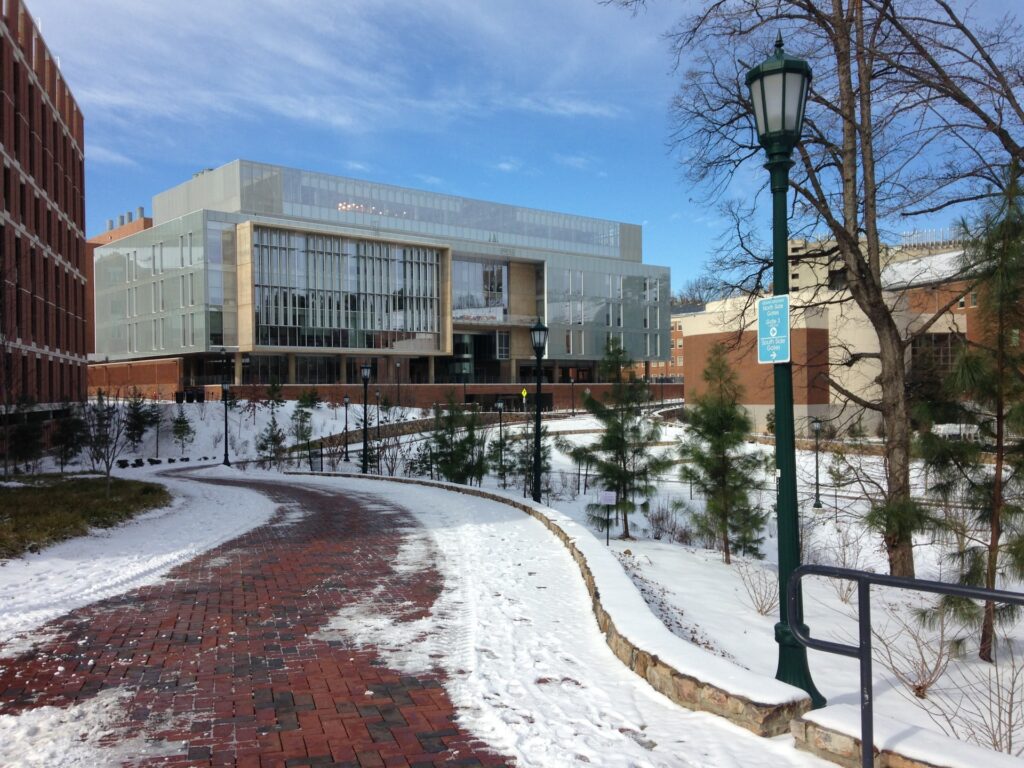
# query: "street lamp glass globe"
778,91
500,405
816,425
365,372
347,400
539,337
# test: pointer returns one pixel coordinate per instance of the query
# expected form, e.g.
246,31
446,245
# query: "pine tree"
182,429
271,441
138,418
275,396
458,444
70,435
522,457
987,380
623,456
27,436
302,425
714,459
157,421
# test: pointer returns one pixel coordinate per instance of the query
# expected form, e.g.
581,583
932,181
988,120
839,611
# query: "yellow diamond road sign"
523,392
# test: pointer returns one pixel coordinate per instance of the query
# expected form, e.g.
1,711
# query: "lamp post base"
793,667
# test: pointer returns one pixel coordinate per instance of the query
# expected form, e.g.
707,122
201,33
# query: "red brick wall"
810,365
154,378
42,248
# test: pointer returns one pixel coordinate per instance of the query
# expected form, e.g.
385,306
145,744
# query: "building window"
974,298
962,303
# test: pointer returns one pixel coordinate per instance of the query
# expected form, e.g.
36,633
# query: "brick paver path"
221,661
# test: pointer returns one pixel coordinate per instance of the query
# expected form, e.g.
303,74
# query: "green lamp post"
778,91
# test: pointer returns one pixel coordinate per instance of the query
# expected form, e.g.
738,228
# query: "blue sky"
555,104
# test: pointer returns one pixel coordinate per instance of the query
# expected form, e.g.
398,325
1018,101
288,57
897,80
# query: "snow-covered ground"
696,595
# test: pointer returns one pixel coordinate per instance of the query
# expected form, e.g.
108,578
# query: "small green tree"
310,399
27,436
499,455
522,457
715,459
458,444
301,427
158,421
271,442
69,437
275,396
138,418
623,456
181,428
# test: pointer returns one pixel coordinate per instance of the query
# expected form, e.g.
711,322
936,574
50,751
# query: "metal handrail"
862,651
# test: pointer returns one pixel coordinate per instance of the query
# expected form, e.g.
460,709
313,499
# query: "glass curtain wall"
480,290
315,290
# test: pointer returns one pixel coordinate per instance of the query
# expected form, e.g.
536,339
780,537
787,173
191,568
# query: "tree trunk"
899,547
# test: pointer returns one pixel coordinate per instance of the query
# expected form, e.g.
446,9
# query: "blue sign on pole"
773,330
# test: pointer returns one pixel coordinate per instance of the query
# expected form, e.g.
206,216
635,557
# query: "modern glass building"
301,277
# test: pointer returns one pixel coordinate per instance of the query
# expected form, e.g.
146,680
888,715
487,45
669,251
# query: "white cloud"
509,165
578,162
356,167
95,153
357,68
430,181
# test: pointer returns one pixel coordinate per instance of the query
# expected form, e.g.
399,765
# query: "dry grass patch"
46,509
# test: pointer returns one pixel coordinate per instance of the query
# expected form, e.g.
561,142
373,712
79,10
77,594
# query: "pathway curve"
222,663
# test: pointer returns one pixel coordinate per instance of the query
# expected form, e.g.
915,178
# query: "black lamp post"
346,400
224,396
778,92
572,393
365,372
816,427
539,339
377,446
398,382
500,406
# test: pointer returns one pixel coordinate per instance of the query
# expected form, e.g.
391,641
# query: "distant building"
833,345
261,273
43,269
670,369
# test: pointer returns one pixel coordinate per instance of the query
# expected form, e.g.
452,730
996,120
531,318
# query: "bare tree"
105,427
913,109
697,292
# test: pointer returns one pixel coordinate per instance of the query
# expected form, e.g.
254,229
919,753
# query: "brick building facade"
43,271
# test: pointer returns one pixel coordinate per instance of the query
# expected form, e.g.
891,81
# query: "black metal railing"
862,651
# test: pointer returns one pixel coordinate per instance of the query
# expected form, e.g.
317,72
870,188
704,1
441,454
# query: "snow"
531,675
39,587
927,269
85,735
526,665
910,741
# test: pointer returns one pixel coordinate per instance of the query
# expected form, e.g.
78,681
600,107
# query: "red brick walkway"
220,656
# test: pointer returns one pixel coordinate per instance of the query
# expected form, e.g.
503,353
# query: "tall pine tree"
987,379
623,456
715,460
